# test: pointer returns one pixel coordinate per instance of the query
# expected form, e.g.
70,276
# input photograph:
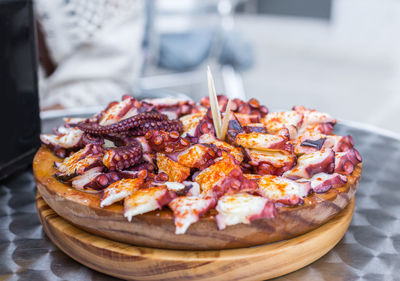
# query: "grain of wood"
140,263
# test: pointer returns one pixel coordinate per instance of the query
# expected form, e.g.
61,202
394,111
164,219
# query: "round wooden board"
157,230
139,263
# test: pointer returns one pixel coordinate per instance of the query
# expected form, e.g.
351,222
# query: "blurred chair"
181,38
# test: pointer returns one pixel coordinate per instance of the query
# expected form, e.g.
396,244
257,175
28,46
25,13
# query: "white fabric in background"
96,45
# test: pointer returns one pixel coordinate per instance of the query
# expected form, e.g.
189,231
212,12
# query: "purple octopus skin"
96,180
81,182
212,152
295,200
283,143
167,125
234,128
252,107
173,110
325,164
119,158
205,126
265,168
129,104
123,125
59,151
312,144
167,142
144,144
345,143
176,110
96,118
124,140
84,140
62,148
120,139
326,128
346,161
140,122
255,129
323,128
144,165
235,182
92,139
148,157
91,153
103,180
323,185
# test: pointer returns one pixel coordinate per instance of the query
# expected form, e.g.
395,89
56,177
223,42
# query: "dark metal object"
19,106
370,249
314,143
318,9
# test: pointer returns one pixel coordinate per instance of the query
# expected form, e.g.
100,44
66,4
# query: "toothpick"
214,104
225,121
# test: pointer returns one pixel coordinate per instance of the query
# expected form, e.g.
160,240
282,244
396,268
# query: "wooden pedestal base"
139,263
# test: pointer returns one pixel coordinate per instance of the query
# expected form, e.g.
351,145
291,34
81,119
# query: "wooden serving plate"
140,263
156,229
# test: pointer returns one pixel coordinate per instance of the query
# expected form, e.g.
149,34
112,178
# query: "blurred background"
339,56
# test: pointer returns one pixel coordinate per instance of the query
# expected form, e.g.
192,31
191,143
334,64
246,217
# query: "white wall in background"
349,66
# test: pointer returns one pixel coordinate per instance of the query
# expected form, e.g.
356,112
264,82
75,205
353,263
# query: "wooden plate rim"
315,243
47,185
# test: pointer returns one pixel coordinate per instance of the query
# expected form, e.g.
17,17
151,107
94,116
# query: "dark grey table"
370,250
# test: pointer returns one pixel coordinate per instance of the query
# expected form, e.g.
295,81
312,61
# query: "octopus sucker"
123,157
251,107
346,161
140,121
168,142
92,139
